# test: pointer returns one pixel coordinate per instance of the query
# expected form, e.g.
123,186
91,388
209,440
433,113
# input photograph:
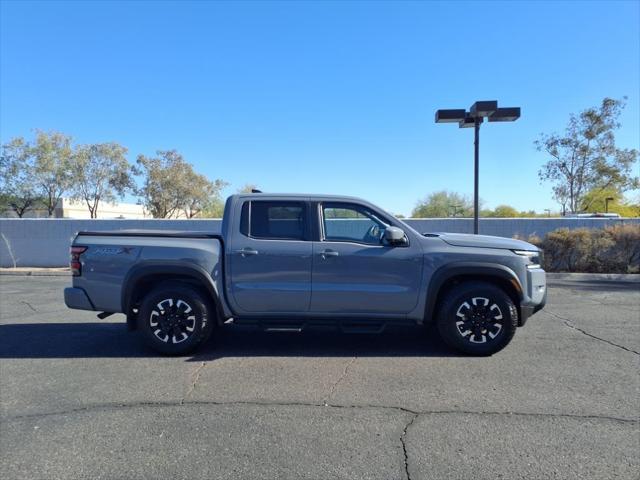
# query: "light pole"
473,118
606,204
548,210
455,209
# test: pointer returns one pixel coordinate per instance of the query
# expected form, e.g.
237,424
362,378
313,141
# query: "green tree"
215,209
443,204
531,214
505,211
101,173
247,188
51,154
202,194
40,170
17,186
586,157
171,186
595,201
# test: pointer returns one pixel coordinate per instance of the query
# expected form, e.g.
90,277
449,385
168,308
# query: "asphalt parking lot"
83,398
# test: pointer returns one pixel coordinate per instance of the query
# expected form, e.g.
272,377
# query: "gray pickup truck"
291,262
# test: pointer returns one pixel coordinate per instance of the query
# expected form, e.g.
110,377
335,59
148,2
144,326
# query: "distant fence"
45,242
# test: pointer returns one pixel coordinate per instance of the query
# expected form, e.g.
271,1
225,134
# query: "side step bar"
299,325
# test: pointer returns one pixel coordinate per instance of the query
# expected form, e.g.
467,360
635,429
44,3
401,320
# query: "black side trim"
141,272
527,310
152,233
473,269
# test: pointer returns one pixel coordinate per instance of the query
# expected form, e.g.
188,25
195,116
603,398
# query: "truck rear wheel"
477,318
175,318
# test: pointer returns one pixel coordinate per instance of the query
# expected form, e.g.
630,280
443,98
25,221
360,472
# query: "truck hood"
483,241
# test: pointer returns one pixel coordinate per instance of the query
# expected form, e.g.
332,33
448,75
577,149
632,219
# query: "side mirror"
394,236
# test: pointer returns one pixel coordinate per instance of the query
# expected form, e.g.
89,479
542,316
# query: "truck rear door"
270,257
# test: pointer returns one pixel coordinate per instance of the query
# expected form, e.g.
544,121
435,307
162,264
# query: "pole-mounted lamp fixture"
473,118
606,203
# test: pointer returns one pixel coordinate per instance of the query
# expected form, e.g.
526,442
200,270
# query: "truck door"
354,272
270,262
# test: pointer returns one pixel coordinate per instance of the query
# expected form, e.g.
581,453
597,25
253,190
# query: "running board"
324,324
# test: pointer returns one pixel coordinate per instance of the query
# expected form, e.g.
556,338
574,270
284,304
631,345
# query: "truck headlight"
534,256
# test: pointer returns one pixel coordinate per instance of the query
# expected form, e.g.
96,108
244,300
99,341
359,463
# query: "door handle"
329,253
245,252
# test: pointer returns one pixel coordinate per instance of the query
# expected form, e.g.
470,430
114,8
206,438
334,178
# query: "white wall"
45,242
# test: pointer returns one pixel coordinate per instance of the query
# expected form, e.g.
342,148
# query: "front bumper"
536,294
526,310
77,298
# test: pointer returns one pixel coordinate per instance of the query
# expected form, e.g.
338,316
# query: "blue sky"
322,97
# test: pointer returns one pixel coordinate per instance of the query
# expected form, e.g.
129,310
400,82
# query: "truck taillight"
74,263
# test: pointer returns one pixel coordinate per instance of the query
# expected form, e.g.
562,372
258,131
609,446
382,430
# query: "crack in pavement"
332,391
414,414
621,306
403,437
403,440
195,376
33,309
569,324
185,403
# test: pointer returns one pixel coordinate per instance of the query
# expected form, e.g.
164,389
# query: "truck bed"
152,233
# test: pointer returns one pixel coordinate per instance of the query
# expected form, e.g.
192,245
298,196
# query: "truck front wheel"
477,318
175,318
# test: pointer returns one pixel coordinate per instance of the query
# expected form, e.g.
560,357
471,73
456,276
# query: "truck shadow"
112,340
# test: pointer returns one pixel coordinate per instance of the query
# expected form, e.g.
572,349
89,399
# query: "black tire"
175,318
477,318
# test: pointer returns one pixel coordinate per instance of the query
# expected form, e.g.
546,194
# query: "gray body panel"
110,259
366,278
293,278
276,279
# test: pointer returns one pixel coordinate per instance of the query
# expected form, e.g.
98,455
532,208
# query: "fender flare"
151,269
471,269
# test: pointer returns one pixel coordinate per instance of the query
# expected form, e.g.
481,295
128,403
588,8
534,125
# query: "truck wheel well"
147,283
505,285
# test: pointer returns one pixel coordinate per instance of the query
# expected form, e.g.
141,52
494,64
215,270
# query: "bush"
614,249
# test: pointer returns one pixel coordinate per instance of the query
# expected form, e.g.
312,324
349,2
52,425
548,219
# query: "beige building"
68,208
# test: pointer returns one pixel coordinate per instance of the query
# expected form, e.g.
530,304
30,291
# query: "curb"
611,277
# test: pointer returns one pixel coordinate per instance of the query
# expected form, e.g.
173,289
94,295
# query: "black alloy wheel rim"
172,320
479,320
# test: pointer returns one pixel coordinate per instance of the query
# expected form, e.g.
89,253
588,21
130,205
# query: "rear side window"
274,220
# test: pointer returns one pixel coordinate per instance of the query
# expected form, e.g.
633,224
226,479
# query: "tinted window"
244,219
351,223
275,220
